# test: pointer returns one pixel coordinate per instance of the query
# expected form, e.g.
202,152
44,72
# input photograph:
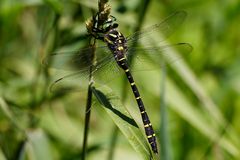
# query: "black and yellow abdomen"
118,45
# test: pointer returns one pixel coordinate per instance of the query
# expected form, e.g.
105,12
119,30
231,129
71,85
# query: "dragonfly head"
101,27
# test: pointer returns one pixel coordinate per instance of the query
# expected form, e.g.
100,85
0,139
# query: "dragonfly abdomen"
146,122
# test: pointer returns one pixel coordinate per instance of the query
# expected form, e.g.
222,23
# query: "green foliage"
200,95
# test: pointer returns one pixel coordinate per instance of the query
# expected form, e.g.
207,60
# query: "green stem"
88,106
87,121
103,12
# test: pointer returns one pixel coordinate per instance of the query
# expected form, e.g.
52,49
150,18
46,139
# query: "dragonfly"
112,58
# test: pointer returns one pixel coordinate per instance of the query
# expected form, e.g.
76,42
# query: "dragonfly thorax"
116,42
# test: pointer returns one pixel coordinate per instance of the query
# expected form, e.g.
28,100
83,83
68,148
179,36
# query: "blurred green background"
200,102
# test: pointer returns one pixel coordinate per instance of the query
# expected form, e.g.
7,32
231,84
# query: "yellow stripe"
150,136
113,35
132,84
127,70
138,97
142,112
120,48
109,41
147,125
121,59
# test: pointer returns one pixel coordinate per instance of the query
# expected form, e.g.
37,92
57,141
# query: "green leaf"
124,121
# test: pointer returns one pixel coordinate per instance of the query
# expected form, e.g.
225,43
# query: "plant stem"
88,105
87,121
104,11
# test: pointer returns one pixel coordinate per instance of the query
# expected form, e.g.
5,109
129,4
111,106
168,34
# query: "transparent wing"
166,27
74,67
76,60
150,58
107,69
103,71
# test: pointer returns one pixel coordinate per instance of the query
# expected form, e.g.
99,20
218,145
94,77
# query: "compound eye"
115,25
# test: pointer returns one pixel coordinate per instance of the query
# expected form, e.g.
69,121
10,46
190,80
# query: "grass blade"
124,121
